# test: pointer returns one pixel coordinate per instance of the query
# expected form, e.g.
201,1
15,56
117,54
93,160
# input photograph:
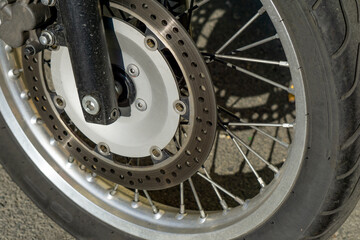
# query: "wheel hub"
147,115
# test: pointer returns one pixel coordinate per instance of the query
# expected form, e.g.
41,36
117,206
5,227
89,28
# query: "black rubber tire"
326,36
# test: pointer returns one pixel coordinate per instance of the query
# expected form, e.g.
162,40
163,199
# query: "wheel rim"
85,187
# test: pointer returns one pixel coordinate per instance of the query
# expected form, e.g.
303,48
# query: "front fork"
79,25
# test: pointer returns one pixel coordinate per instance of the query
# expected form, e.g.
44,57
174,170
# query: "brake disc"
180,148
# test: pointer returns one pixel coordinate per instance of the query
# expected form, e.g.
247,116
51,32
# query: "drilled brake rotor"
196,132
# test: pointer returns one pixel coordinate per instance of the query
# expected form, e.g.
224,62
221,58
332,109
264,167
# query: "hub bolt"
156,153
151,43
180,107
140,104
133,70
103,149
90,105
59,102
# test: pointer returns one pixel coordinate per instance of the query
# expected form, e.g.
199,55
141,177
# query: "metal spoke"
255,128
279,63
231,134
192,9
136,195
258,14
259,179
261,78
197,199
255,44
182,202
221,200
154,208
237,199
113,191
284,125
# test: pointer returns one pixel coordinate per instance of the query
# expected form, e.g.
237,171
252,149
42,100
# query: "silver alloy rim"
116,205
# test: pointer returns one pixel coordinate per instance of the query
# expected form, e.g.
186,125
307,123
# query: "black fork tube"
85,36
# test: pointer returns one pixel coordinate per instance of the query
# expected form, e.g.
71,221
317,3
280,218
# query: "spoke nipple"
288,125
274,169
135,204
261,181
14,73
245,205
239,200
8,49
36,120
53,141
71,159
155,209
224,204
25,95
82,167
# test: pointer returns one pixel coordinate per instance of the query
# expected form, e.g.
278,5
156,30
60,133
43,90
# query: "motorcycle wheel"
293,170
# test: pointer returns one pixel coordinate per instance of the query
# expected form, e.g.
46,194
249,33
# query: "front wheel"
248,129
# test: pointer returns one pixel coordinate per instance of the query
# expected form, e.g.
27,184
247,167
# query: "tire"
325,35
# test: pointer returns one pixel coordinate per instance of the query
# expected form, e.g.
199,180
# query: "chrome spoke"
197,199
232,135
193,8
242,124
259,179
182,202
154,208
136,195
261,78
217,186
221,200
279,63
284,144
261,42
258,14
113,191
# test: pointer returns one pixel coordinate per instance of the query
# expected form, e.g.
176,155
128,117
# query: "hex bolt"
156,153
59,102
103,149
90,105
140,104
47,38
151,43
29,50
49,3
180,107
133,70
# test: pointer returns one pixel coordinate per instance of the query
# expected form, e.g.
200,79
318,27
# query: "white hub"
155,85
